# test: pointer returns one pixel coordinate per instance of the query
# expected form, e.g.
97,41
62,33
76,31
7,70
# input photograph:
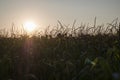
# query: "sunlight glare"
29,26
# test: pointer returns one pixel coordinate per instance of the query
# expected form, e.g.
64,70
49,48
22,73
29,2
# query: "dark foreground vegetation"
62,53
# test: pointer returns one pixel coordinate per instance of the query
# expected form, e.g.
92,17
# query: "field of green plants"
62,53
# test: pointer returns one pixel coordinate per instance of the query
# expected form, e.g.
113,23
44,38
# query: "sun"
29,26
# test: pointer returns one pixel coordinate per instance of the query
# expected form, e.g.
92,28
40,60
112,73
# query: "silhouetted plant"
62,53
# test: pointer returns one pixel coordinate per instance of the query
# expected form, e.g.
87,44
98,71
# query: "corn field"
62,52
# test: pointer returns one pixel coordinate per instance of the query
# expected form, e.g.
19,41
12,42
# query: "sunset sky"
47,12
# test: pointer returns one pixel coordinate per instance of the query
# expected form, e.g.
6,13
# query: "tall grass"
62,53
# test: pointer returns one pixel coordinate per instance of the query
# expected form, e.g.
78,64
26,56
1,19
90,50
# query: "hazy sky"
47,12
